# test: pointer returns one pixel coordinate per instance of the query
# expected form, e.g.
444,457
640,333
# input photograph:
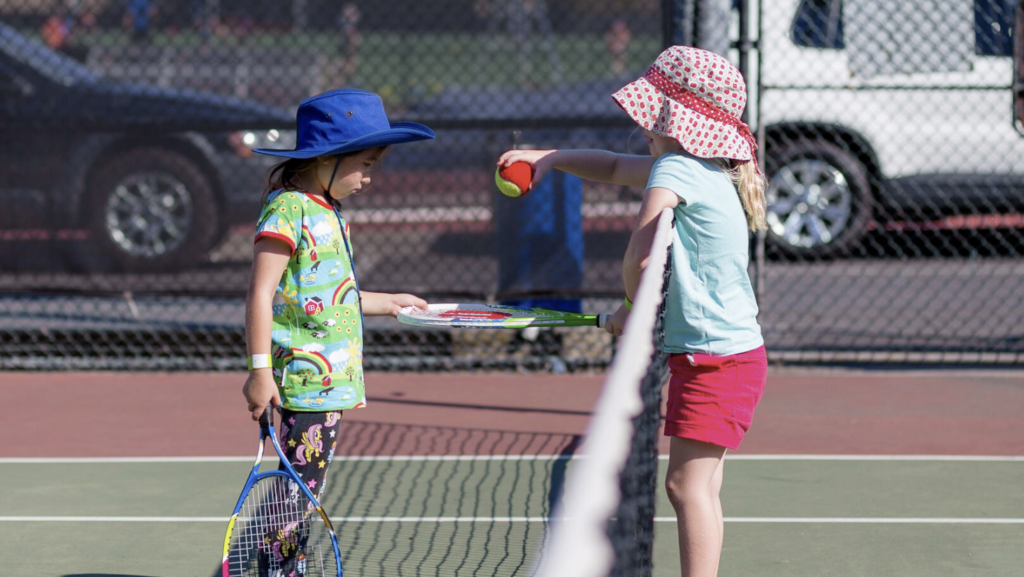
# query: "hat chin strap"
330,183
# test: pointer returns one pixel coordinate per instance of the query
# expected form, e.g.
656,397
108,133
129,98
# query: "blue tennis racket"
278,527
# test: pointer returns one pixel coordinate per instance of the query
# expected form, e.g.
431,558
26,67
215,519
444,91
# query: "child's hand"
379,304
260,390
404,300
617,321
542,161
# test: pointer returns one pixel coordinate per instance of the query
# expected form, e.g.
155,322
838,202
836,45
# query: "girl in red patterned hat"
701,155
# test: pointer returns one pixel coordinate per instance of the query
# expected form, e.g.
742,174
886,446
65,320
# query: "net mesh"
409,500
279,532
604,525
631,530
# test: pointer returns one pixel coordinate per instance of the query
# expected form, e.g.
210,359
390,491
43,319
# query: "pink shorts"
712,398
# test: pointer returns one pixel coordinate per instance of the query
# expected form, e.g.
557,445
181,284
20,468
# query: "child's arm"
639,249
598,165
380,304
270,257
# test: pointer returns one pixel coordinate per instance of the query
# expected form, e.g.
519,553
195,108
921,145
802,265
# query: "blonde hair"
751,185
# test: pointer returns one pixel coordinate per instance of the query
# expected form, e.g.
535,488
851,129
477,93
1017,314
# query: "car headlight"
243,141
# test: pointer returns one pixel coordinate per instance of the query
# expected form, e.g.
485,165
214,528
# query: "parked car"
155,176
866,123
864,127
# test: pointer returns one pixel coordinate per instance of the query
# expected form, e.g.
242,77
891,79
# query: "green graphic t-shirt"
317,337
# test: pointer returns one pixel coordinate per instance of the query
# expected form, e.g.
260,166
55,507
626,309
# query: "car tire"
819,199
151,210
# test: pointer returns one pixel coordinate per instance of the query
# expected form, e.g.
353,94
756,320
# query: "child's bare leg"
694,482
716,488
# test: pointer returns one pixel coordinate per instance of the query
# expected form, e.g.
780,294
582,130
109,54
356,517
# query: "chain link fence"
897,181
131,192
126,156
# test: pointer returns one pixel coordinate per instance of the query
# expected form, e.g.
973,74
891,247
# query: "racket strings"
278,532
486,314
464,315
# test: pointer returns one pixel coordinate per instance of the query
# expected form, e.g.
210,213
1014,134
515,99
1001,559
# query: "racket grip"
602,320
267,418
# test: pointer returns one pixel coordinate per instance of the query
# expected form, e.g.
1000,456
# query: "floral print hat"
695,97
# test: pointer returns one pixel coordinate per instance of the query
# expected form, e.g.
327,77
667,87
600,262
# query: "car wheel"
152,210
819,199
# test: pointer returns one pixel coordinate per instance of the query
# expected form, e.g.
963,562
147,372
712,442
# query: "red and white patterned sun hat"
695,97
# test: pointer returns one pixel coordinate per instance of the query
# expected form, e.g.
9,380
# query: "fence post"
700,23
677,22
711,28
745,45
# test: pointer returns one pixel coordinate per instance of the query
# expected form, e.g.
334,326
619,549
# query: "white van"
886,113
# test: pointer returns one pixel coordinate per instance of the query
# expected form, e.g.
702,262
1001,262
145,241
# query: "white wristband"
259,362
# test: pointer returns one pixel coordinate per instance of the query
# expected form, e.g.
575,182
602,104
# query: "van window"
819,24
993,27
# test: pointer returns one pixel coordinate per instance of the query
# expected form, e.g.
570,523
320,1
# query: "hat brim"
399,133
697,134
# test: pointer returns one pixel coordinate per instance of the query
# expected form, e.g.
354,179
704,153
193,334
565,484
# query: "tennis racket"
278,527
479,316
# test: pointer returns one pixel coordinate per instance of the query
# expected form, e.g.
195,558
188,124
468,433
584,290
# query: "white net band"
579,545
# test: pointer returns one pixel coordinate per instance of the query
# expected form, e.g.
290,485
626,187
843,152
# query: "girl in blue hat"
304,308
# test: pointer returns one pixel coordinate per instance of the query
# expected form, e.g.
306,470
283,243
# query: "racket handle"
267,418
602,320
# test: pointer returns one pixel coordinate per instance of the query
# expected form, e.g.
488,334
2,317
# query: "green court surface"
791,516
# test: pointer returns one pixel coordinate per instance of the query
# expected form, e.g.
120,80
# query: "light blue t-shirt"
711,307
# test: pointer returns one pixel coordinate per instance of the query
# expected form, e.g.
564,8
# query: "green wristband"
628,303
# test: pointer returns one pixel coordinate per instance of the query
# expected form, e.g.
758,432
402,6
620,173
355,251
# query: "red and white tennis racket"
482,316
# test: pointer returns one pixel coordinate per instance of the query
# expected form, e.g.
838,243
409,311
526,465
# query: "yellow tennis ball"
514,180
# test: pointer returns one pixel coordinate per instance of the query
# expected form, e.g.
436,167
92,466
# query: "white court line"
67,519
819,520
879,520
824,520
84,519
987,458
74,460
398,458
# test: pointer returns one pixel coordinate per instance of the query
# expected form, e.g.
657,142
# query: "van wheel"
152,210
819,199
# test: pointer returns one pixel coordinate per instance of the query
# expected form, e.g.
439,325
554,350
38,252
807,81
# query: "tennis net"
426,500
604,523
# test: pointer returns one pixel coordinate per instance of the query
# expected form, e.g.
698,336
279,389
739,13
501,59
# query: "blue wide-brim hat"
343,121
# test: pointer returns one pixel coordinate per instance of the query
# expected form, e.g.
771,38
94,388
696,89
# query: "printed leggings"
308,441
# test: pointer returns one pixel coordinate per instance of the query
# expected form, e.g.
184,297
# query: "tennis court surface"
844,473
